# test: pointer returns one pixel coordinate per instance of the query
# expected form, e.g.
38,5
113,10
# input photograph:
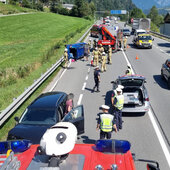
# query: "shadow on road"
163,44
162,83
87,140
91,90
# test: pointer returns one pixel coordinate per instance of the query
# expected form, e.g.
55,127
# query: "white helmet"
65,49
103,53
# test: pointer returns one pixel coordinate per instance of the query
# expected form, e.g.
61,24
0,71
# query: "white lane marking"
162,50
87,77
59,78
128,63
160,137
84,85
88,69
80,98
155,126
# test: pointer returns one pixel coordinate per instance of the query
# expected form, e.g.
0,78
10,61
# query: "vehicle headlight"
140,43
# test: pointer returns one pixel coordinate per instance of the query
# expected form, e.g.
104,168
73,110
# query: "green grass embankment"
6,9
29,45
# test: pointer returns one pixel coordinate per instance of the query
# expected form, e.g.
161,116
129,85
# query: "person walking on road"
104,58
101,50
96,79
118,103
106,123
110,55
66,58
96,57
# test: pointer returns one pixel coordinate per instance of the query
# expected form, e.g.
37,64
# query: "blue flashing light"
113,146
16,146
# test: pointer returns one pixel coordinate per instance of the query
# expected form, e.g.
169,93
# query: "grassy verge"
6,9
23,83
29,46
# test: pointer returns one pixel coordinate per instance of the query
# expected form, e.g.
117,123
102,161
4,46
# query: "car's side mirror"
152,167
16,119
145,81
113,82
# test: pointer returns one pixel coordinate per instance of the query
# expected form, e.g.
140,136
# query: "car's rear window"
39,116
125,30
132,82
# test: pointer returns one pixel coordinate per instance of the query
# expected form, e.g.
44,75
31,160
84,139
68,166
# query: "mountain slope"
145,4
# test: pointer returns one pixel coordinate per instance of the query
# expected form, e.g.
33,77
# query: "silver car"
135,94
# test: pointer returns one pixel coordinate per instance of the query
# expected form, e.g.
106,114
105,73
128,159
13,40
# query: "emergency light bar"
114,146
15,146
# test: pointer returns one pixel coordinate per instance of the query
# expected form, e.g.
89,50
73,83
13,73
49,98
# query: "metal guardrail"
162,35
5,114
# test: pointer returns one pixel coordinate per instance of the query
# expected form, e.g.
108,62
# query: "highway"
147,143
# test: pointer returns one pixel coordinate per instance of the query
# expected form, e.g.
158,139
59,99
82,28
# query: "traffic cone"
137,57
128,46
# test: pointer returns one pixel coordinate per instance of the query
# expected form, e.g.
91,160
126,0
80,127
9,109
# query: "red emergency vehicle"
58,150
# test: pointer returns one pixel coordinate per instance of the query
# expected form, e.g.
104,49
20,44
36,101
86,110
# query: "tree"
155,17
137,13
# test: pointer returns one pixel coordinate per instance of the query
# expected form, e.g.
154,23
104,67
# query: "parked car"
126,32
44,112
136,97
165,71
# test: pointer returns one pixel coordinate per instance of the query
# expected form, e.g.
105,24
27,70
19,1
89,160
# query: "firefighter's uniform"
96,57
110,55
101,50
66,58
125,42
104,58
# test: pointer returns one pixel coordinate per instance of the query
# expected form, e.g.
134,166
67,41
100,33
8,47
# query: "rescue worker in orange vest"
106,123
101,50
110,55
104,58
125,42
118,103
66,58
96,57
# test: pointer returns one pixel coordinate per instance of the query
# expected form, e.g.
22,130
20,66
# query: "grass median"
34,49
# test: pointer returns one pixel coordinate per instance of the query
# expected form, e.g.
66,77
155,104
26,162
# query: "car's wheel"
169,83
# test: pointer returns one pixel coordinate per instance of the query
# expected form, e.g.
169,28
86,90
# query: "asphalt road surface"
148,134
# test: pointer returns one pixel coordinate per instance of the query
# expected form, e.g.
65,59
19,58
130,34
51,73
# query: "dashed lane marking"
80,98
155,126
86,77
84,85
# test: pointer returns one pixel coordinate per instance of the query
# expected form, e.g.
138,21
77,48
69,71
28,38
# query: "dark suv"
44,112
165,71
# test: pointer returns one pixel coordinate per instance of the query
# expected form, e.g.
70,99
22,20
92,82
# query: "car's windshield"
145,38
39,116
140,33
132,82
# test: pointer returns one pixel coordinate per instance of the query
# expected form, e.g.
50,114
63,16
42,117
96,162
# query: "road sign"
118,11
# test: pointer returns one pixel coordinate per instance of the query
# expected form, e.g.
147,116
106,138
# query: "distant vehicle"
139,31
107,22
126,32
165,71
143,41
141,23
94,32
41,114
136,97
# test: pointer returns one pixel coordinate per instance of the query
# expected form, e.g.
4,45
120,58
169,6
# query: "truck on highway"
141,23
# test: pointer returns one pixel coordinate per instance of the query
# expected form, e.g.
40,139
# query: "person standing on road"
106,123
96,57
110,55
89,44
101,50
129,70
125,42
86,52
104,58
69,103
118,103
96,79
66,58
